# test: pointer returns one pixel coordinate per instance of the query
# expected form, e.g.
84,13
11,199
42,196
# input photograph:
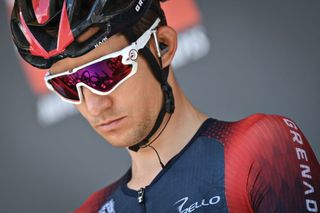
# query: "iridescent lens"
101,76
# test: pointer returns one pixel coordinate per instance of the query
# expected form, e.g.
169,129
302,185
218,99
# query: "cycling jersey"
260,164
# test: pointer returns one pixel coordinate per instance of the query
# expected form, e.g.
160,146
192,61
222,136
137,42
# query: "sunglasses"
103,75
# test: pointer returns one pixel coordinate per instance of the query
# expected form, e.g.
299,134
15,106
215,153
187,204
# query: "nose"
95,103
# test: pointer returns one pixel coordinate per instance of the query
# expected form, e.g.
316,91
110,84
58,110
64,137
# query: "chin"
119,144
119,141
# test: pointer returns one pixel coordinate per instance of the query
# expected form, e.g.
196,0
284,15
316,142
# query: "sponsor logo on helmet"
139,5
101,42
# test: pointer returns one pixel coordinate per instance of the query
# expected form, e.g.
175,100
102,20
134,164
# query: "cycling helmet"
45,31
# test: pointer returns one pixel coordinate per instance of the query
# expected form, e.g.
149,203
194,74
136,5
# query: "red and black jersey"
260,164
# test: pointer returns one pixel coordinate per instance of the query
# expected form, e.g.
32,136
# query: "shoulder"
98,198
275,132
275,125
267,138
256,128
259,123
269,160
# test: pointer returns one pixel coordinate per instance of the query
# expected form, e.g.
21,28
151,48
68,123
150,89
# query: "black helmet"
45,31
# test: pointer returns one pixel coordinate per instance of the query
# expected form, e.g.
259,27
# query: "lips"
110,125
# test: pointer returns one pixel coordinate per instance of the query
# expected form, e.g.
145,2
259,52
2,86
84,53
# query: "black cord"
144,146
149,144
162,165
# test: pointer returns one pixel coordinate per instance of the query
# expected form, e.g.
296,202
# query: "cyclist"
112,59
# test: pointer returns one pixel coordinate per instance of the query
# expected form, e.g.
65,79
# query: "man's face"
127,115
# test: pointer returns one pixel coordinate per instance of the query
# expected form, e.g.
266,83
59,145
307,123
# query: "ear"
168,37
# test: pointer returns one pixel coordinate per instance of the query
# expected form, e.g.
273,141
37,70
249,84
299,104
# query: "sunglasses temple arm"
154,32
143,40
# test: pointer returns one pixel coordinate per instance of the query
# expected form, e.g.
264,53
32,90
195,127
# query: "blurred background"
235,58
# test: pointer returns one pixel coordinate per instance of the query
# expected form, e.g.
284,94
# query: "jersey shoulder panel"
223,131
98,198
269,166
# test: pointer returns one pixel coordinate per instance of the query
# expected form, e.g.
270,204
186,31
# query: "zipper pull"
140,195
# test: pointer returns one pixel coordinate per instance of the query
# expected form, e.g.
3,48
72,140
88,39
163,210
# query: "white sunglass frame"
126,60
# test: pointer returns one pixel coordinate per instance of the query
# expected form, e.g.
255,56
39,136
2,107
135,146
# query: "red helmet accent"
65,36
41,10
46,31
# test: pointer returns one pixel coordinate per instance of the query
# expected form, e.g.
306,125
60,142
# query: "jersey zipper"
141,199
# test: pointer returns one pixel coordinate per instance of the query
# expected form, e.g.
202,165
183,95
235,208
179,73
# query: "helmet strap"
161,74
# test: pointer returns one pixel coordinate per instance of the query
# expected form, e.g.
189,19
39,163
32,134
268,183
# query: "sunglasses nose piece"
80,93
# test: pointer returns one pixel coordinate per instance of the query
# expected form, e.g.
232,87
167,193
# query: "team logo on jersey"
183,208
108,207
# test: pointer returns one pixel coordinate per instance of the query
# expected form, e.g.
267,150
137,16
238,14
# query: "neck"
183,124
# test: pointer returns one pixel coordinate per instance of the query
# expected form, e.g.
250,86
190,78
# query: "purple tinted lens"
101,76
65,88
